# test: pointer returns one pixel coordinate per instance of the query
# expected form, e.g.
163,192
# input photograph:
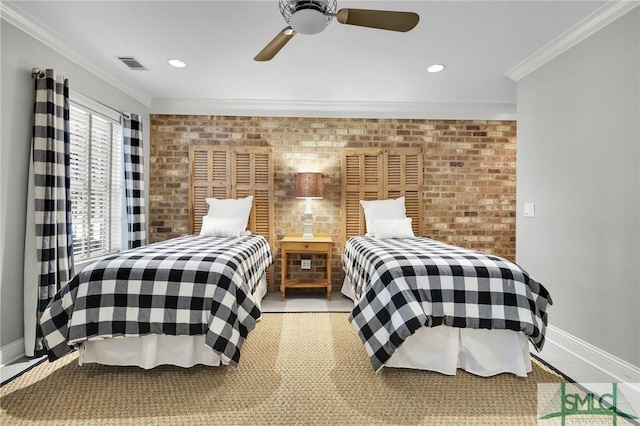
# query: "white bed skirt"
155,349
445,349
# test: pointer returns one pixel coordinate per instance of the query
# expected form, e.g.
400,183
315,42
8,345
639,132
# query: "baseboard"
11,352
620,370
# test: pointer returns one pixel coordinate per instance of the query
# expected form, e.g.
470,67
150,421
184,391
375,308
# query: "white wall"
20,53
579,161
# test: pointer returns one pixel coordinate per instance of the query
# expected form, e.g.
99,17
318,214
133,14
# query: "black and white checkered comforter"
404,284
189,285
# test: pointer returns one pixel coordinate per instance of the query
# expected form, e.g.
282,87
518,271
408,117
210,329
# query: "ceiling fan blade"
274,46
381,19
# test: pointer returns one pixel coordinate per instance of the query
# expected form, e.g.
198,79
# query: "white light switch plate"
305,264
529,210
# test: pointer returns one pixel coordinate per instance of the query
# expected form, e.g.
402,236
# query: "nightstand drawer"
306,247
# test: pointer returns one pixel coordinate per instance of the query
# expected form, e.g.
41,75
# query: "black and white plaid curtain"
48,263
134,181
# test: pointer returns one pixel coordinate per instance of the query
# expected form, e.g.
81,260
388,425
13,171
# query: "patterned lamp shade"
309,185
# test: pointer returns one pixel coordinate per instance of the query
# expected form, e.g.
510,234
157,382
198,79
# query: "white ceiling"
479,41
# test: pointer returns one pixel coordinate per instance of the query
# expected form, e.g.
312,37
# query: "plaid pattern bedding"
404,284
184,286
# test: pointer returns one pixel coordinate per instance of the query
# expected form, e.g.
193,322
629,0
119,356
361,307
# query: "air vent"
132,63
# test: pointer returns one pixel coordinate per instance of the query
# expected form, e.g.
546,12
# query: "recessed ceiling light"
177,63
435,68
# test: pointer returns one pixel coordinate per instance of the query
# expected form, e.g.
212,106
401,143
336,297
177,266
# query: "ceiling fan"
313,16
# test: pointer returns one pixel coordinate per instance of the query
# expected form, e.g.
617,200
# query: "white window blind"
95,183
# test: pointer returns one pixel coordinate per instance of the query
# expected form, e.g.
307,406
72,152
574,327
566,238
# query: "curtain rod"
38,73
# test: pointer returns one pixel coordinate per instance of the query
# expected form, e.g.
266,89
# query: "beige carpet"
307,368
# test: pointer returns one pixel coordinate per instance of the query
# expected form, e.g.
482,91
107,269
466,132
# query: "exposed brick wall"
469,173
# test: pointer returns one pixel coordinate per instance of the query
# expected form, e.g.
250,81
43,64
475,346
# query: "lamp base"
308,225
308,221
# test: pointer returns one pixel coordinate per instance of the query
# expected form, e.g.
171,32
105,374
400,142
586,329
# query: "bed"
421,303
191,285
183,301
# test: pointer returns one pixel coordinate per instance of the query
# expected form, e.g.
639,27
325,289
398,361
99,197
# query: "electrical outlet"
305,264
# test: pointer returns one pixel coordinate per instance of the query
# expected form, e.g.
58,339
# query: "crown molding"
14,17
594,22
271,108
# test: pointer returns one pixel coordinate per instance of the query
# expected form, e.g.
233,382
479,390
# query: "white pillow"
382,209
220,227
393,228
231,208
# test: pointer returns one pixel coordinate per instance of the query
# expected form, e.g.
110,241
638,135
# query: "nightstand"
320,243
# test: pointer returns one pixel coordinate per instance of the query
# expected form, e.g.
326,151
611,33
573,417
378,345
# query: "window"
95,183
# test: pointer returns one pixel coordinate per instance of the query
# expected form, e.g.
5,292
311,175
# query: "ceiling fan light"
308,21
308,16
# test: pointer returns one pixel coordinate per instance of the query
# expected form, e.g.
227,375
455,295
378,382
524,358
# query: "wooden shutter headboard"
223,171
378,174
